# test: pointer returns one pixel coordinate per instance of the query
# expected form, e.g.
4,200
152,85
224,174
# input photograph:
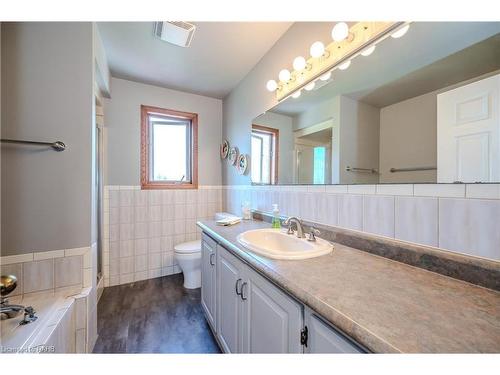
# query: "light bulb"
271,85
368,51
399,33
340,31
310,86
345,65
326,76
296,94
284,75
317,49
299,63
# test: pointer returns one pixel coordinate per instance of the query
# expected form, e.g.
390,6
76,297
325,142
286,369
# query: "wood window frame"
146,183
273,178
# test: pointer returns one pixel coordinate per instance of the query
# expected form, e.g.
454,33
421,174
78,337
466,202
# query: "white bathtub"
52,332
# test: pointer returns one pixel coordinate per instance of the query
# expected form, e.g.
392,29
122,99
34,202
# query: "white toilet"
188,257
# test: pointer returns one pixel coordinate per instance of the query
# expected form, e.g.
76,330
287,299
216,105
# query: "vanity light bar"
348,43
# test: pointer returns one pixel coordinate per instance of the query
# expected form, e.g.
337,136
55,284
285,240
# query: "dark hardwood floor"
153,316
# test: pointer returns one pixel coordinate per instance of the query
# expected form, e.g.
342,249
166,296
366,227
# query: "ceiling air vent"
177,32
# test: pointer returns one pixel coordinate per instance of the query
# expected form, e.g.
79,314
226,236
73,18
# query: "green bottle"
276,223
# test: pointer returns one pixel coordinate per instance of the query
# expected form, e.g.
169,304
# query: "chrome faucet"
7,285
298,225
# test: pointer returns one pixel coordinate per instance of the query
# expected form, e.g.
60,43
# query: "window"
265,148
169,149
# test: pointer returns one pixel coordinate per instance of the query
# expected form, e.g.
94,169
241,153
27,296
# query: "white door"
208,281
229,281
271,321
468,129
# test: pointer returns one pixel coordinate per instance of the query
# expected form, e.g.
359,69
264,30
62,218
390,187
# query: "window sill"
162,186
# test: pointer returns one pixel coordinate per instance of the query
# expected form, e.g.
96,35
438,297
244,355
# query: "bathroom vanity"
348,301
249,314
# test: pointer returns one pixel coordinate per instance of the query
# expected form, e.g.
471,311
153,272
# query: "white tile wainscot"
141,228
456,217
54,271
70,273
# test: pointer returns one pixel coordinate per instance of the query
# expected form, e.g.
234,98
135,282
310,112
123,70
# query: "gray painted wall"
46,195
359,140
122,119
408,138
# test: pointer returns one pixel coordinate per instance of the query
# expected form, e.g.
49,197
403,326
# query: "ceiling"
430,56
220,56
322,136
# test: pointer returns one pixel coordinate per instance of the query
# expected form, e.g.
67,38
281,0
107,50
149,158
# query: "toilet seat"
191,247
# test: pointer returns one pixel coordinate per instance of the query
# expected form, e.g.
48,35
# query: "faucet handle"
289,223
29,316
312,234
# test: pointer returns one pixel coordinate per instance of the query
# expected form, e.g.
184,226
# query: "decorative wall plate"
233,155
242,164
224,149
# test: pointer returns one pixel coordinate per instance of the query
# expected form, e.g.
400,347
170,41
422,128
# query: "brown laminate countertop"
386,306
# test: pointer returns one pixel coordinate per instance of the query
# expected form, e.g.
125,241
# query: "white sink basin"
277,244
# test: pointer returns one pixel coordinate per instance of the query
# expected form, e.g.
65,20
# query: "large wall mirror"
424,108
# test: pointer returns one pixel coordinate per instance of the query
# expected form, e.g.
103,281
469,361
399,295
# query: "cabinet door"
208,281
272,320
229,303
322,338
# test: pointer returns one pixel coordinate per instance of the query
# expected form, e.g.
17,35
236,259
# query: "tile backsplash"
462,218
50,271
141,228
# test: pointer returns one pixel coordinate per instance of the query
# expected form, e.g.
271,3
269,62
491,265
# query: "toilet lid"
188,247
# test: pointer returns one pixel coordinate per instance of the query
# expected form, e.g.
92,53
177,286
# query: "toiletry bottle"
245,210
276,223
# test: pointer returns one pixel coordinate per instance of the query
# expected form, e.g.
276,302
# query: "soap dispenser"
276,223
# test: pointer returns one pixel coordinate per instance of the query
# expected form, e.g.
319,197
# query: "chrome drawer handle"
241,291
212,263
238,292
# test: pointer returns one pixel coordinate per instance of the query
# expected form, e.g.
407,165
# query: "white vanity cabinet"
250,314
254,316
323,338
208,279
229,302
272,321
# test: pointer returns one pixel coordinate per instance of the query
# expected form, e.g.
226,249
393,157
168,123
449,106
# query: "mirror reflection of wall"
422,111
313,154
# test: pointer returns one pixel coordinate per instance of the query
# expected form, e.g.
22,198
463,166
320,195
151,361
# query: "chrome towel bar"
362,170
393,170
57,145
